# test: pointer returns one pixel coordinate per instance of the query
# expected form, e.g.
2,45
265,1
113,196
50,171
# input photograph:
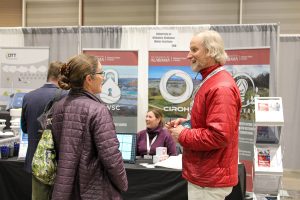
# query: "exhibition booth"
139,57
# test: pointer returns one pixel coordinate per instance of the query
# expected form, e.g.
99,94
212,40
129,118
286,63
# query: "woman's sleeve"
107,146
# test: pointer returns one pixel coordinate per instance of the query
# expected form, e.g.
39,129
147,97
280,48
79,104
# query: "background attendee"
34,103
210,146
90,165
155,135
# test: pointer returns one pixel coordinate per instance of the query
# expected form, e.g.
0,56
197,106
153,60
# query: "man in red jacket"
209,136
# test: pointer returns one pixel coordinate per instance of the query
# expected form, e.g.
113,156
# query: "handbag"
44,162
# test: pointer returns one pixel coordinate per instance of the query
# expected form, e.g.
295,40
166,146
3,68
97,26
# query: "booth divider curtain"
11,37
106,37
289,90
62,41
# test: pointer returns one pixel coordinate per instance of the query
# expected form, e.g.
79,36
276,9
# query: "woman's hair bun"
65,70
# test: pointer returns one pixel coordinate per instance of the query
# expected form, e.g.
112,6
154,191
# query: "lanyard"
199,86
149,145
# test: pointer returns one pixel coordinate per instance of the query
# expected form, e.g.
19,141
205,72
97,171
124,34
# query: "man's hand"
175,123
175,128
175,132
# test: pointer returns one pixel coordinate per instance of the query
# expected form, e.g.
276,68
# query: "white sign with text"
163,39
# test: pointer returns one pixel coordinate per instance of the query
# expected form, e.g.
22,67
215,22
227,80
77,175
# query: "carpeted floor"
291,185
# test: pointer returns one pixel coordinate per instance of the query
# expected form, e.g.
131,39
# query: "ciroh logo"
243,80
169,97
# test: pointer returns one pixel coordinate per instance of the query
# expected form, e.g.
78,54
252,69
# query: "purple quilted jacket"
90,166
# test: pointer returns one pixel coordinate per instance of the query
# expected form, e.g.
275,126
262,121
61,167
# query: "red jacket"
210,148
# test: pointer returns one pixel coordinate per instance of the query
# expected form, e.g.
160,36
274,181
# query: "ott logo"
11,56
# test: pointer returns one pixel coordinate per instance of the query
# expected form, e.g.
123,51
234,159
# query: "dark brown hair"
159,115
76,69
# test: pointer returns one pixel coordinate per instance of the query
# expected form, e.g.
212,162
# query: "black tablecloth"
15,183
144,183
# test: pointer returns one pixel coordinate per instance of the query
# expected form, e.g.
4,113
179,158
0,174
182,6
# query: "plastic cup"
4,152
16,148
11,151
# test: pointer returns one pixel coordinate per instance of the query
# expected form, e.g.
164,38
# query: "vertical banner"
119,90
171,82
22,69
251,71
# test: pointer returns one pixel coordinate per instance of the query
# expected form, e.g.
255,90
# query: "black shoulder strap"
58,94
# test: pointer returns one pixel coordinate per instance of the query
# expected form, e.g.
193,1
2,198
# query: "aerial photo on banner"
171,82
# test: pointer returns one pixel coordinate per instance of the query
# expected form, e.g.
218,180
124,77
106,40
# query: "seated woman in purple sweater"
155,135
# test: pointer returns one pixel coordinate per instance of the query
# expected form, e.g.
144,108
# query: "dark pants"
40,191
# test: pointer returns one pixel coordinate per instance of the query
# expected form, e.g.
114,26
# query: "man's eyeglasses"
101,73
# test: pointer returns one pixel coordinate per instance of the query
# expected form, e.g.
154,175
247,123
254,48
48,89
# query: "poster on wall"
251,70
119,90
22,69
171,82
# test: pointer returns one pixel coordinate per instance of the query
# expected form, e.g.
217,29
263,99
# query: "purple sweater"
164,139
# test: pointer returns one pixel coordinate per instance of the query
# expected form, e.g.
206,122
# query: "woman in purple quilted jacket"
90,166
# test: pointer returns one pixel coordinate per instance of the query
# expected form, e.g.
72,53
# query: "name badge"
147,157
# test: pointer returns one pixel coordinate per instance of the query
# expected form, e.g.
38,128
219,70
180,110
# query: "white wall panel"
198,12
118,12
52,13
285,12
143,12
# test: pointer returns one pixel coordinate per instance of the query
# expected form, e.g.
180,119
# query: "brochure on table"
173,162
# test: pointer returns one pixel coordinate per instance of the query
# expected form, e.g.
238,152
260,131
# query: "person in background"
155,136
210,145
90,165
33,106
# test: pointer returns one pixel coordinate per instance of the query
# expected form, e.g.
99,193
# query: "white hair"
213,43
